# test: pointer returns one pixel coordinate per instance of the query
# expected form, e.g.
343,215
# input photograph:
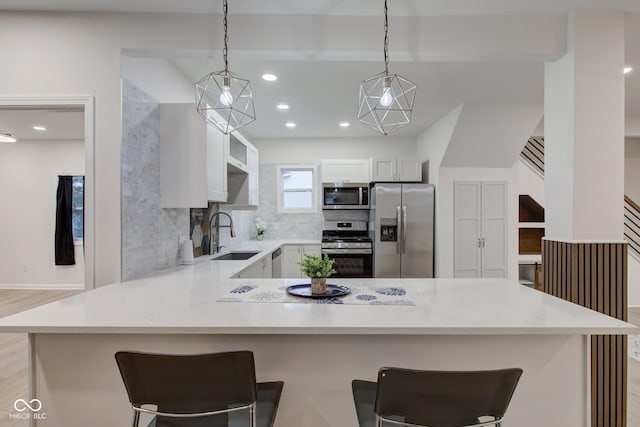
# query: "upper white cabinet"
242,172
480,229
396,169
237,155
216,165
346,170
192,162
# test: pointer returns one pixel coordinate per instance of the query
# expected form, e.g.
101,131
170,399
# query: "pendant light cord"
226,37
386,39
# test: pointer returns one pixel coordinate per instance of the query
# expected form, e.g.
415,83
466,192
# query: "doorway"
54,138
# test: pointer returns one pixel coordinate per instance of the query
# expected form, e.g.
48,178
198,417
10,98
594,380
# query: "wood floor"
13,356
13,349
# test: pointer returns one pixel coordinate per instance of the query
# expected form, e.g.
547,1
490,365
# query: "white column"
584,131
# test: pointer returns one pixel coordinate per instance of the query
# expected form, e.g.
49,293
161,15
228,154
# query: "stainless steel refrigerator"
401,224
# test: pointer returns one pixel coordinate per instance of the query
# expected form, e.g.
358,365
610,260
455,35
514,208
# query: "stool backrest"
444,398
189,383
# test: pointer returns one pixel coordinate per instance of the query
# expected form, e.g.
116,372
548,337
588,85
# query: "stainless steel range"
349,245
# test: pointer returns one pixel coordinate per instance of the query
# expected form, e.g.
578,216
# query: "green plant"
317,266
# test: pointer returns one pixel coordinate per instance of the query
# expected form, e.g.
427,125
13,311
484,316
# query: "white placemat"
387,295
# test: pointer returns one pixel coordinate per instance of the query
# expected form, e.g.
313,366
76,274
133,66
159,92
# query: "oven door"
351,262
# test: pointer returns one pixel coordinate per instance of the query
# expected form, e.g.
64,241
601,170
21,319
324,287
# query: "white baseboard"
633,306
47,287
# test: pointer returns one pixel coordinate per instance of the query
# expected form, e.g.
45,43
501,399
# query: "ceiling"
61,123
324,91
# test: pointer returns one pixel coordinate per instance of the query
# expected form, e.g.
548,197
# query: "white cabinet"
396,169
346,170
242,173
192,164
216,165
292,255
261,269
480,229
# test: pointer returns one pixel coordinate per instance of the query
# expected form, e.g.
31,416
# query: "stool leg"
253,415
136,418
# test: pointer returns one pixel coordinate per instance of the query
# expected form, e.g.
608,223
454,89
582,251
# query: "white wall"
530,182
313,150
159,78
444,251
632,169
28,183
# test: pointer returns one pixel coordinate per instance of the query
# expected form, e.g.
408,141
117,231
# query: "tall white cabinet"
480,229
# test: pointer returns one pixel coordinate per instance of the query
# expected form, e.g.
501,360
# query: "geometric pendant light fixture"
386,100
223,98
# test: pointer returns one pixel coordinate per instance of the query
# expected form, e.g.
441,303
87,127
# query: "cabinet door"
383,170
183,153
253,165
216,165
346,170
237,153
494,229
409,170
467,244
312,250
290,259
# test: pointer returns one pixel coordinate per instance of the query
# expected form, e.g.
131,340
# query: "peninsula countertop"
183,300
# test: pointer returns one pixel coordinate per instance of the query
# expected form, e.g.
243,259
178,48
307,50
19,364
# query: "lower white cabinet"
261,269
292,256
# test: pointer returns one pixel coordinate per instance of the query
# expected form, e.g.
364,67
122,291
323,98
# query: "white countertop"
183,300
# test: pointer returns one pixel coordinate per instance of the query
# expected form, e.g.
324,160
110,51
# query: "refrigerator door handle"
404,229
398,241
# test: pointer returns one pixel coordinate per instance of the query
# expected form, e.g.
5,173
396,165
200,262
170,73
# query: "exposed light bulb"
225,97
386,99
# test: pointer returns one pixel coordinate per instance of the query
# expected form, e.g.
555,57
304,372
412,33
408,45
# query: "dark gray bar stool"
408,397
198,390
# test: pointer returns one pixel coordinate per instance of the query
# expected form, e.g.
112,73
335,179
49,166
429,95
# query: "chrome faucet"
215,243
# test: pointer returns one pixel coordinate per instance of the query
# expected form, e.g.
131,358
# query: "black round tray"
304,291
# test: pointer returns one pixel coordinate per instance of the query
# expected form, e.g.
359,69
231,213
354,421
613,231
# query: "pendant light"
386,100
223,98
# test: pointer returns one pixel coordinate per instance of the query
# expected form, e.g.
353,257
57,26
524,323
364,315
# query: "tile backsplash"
149,233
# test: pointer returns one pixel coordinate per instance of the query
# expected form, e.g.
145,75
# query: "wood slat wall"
594,275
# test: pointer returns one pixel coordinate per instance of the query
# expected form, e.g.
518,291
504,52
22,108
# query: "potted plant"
261,227
318,268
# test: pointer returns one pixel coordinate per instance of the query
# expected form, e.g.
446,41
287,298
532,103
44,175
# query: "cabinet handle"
479,242
483,242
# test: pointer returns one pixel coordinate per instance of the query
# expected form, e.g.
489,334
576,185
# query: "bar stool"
408,397
198,390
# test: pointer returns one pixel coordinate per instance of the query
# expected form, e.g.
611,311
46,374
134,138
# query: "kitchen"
139,251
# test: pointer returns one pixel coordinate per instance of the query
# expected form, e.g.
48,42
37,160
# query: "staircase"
533,155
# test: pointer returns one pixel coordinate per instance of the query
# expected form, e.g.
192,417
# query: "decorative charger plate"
304,291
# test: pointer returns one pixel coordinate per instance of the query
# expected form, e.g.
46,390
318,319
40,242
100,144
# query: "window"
77,209
297,189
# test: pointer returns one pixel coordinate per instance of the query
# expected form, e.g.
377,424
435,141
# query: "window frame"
75,209
281,190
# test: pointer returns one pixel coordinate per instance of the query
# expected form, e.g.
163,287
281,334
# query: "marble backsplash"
280,225
150,234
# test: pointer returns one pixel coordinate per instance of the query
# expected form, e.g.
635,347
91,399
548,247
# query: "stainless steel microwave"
345,196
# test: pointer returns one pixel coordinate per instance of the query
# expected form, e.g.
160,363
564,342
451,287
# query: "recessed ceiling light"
39,128
282,106
344,124
270,77
290,125
7,137
627,70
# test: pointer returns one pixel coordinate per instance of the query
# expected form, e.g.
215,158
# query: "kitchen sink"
235,256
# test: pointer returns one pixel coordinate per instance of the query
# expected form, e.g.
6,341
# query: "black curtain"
64,228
